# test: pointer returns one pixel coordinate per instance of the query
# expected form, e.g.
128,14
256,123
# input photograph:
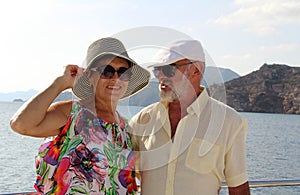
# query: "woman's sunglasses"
168,70
108,72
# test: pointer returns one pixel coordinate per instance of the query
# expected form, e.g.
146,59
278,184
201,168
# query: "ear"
196,71
198,68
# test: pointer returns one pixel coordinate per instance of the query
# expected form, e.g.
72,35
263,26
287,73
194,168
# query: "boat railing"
252,184
270,183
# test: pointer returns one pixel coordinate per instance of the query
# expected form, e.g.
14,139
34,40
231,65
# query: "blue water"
273,151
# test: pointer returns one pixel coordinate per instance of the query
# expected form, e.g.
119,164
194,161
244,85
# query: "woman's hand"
68,78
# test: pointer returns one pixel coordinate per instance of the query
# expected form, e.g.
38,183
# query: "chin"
168,96
113,97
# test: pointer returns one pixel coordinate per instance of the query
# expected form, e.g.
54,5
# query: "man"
188,142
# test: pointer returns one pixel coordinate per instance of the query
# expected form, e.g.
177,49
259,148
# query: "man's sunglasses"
168,70
108,72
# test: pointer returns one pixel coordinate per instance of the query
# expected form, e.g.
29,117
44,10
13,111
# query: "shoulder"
64,107
230,119
146,113
231,113
146,117
65,103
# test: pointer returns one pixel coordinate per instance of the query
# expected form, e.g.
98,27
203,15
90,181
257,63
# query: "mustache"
166,82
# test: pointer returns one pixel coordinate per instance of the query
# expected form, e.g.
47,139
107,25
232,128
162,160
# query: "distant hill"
66,95
17,95
272,89
150,94
23,96
215,75
145,97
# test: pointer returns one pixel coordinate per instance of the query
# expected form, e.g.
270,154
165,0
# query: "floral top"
89,156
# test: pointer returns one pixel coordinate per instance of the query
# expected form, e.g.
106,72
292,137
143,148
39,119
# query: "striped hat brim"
110,46
83,89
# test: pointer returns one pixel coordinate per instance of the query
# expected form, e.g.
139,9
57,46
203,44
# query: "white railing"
252,184
271,183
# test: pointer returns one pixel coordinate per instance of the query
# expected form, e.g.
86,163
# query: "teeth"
113,87
165,84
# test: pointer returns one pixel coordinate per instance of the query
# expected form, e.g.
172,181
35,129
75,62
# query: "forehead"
183,61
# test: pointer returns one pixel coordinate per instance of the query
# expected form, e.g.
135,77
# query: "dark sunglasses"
168,70
108,72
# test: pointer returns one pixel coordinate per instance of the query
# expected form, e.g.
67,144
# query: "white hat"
179,50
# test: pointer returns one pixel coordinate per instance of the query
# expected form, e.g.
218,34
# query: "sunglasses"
168,70
108,72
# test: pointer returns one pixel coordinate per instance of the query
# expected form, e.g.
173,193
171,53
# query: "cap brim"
165,63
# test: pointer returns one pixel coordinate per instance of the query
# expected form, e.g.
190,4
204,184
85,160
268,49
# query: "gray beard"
172,95
168,96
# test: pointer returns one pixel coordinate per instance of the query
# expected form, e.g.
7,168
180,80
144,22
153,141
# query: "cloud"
243,63
263,51
284,48
287,53
262,17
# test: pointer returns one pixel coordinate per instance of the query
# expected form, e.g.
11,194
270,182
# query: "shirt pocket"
202,164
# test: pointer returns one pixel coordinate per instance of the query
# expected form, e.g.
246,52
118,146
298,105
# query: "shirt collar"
198,105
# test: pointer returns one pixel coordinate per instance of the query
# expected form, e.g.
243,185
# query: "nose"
115,76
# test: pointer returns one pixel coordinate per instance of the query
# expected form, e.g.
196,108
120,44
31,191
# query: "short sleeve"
235,159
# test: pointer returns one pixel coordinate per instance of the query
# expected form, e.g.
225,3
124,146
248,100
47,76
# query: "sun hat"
83,89
179,50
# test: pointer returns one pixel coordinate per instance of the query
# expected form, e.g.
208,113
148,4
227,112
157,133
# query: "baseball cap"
179,50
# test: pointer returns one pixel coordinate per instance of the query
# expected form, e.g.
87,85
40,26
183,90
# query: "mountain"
18,95
65,95
212,75
274,88
23,96
215,75
147,96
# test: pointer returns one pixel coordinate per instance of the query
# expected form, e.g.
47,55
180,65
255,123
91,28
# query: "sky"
38,38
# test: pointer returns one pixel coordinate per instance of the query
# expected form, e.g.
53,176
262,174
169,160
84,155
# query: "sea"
273,151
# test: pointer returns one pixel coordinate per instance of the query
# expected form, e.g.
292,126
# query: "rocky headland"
271,89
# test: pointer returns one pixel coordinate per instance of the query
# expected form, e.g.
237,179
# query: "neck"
177,106
107,111
181,105
178,110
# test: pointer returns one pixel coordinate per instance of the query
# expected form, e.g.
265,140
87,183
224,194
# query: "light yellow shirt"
208,147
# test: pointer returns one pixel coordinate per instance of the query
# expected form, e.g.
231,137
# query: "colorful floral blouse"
89,156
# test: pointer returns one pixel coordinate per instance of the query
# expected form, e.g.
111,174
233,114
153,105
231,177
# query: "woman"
91,151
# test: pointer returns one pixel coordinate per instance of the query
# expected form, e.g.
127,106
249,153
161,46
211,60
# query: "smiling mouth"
165,84
113,87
